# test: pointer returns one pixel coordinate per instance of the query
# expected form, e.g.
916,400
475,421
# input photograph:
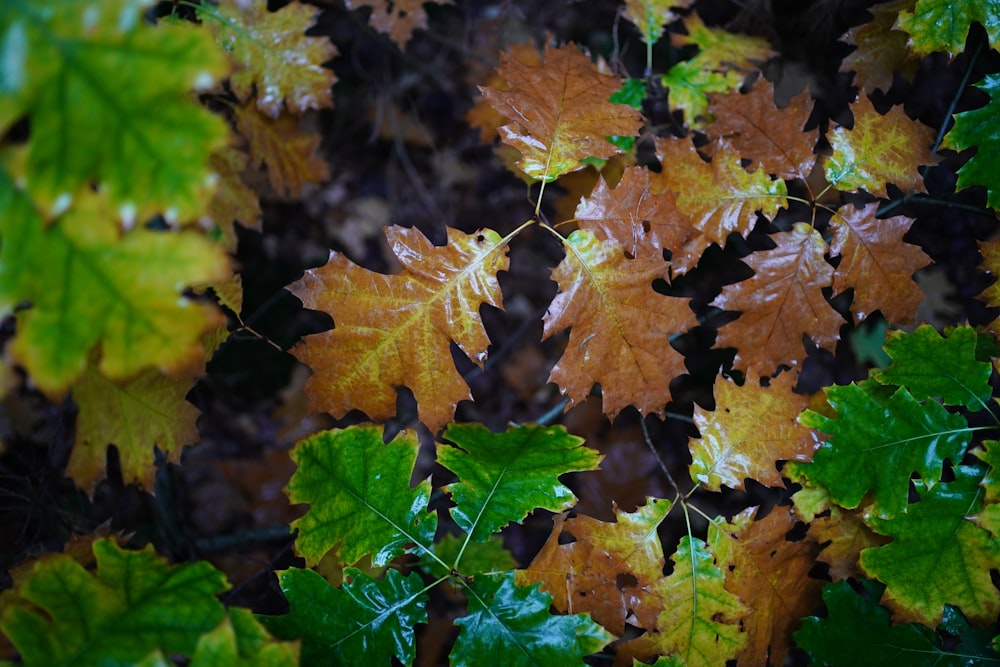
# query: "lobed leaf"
880,49
878,440
649,16
358,489
396,18
241,641
364,617
977,128
135,603
504,476
943,25
512,626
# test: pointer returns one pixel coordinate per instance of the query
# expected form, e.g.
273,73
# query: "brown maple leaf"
620,326
770,575
880,49
751,429
719,197
640,220
396,18
289,152
769,137
396,330
559,112
877,263
780,303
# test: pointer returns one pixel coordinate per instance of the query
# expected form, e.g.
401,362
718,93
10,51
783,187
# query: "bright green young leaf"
135,603
858,632
358,489
978,128
930,366
512,626
469,558
89,285
937,555
365,619
241,641
504,476
108,98
877,441
700,621
943,25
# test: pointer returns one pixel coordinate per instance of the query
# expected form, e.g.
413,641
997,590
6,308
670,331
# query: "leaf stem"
656,455
918,198
954,100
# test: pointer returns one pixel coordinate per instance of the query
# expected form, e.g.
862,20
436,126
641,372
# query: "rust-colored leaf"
758,131
719,197
559,112
396,330
880,49
396,18
640,220
844,535
234,201
606,567
288,151
877,263
484,116
620,326
770,575
780,303
879,150
750,430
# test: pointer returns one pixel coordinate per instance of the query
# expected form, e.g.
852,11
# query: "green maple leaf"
978,128
468,557
241,641
937,555
108,98
943,25
512,626
134,603
857,631
878,440
89,285
364,617
358,489
930,366
504,476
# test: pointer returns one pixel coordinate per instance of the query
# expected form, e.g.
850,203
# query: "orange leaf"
844,535
396,330
396,18
770,137
606,567
620,326
559,112
720,196
485,117
770,575
881,50
879,150
780,303
639,220
751,429
273,56
287,150
877,263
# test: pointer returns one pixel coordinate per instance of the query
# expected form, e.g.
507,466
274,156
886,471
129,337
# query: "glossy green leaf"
89,285
469,558
108,98
978,129
943,25
512,626
134,604
504,476
358,489
364,620
930,366
241,641
858,632
937,556
877,441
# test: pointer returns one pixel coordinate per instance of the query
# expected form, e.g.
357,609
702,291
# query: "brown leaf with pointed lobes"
396,330
750,430
619,324
770,137
396,18
881,51
780,303
844,535
877,263
719,197
771,576
640,220
485,117
559,112
289,152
